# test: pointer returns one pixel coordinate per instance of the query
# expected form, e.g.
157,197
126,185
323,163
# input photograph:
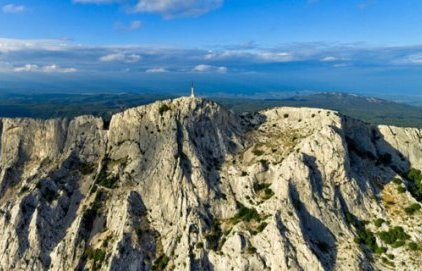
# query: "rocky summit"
184,184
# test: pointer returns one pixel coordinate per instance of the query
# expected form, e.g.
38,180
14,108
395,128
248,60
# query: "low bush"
261,227
401,189
378,222
412,209
393,235
161,263
245,214
415,176
163,108
257,152
397,181
86,168
413,246
213,236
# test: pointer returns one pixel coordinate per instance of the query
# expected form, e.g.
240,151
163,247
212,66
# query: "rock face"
186,185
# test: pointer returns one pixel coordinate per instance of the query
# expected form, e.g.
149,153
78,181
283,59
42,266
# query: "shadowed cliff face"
186,185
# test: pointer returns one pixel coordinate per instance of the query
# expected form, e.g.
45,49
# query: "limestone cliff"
186,185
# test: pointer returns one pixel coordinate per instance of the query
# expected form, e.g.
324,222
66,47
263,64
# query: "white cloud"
96,1
329,59
12,45
13,9
120,57
341,65
156,70
27,68
166,8
47,69
132,26
178,8
413,59
275,56
209,68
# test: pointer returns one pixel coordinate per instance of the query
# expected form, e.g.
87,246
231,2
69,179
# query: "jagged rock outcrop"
186,185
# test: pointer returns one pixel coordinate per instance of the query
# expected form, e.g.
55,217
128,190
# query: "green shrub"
213,236
106,181
412,209
97,255
163,108
23,190
257,152
161,263
380,250
251,250
387,262
245,214
257,187
268,193
261,227
398,243
401,189
413,246
378,222
364,236
368,238
393,235
86,168
397,181
415,176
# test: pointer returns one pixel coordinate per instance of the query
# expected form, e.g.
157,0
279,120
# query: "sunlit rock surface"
186,185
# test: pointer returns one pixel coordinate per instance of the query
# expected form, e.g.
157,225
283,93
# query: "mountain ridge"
185,184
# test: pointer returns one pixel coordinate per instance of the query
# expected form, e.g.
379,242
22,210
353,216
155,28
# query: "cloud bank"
53,68
166,8
51,55
178,8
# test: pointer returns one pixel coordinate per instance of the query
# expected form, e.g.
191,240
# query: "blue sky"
242,46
